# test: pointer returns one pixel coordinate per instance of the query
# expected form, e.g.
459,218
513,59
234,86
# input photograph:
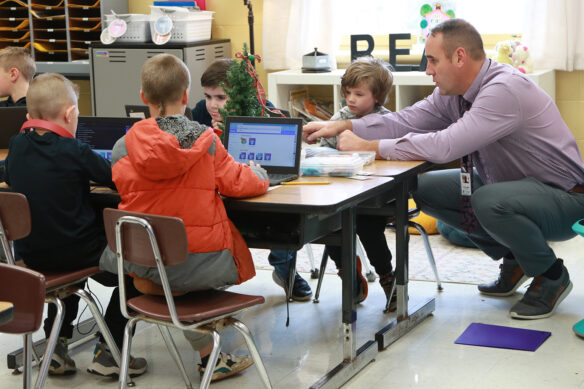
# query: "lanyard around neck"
46,125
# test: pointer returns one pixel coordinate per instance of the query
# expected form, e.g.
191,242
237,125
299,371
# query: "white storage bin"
187,25
342,165
138,27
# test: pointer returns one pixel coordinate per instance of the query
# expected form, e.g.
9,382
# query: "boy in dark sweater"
53,170
17,68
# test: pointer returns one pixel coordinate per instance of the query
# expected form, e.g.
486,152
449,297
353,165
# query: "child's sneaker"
104,363
227,365
61,362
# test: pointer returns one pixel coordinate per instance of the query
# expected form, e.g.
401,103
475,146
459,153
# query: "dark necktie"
467,216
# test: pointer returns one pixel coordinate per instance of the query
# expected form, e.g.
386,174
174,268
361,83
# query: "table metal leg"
404,321
353,360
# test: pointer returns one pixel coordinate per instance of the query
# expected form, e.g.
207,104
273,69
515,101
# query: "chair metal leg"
242,328
171,346
360,251
103,328
27,357
323,262
313,269
124,365
206,380
52,341
36,357
424,236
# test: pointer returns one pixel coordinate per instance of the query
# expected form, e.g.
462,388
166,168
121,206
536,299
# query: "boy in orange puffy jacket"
169,165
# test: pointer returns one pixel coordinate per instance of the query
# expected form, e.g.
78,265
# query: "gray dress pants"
517,217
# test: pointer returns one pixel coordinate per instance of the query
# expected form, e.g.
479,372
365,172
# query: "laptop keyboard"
276,179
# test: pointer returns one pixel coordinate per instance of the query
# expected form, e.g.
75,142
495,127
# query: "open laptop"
271,142
101,133
143,112
11,119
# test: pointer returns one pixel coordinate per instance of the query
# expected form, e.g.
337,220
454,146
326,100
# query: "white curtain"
292,28
552,29
555,34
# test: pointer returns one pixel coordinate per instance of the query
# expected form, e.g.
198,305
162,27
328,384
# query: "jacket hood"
158,155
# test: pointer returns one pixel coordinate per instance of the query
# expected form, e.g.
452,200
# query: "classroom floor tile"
298,355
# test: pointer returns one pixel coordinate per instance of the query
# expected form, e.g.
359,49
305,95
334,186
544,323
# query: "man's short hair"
216,73
19,58
164,80
374,73
48,93
460,33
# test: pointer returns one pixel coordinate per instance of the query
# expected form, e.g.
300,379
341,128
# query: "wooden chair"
28,307
159,241
15,223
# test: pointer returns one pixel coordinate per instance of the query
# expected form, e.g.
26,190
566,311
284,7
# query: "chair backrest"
169,232
25,289
14,220
147,240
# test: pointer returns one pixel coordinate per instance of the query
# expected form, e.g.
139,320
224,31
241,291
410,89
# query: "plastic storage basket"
187,25
343,165
138,27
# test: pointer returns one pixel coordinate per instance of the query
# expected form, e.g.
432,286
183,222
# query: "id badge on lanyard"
466,173
465,184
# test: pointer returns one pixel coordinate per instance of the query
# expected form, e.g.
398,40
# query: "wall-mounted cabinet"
55,30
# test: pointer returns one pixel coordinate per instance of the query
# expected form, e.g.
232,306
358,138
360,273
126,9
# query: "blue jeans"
282,261
517,217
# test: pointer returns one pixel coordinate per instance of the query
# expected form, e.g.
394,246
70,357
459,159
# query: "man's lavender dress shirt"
513,130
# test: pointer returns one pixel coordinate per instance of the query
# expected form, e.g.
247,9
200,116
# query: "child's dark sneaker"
104,363
61,362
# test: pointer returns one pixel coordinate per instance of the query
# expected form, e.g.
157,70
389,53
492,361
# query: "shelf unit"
55,30
409,87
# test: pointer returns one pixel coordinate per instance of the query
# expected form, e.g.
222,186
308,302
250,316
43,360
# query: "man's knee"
434,187
489,203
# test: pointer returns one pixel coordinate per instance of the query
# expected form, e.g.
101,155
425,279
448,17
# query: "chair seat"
57,279
195,306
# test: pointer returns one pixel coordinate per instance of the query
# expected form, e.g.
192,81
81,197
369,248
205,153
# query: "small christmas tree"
242,93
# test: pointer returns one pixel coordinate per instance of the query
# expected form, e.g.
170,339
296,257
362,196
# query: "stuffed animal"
503,52
522,59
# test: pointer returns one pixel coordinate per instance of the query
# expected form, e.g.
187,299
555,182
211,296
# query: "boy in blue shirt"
207,112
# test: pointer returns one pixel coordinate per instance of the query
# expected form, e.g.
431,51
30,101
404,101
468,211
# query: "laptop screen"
102,133
273,143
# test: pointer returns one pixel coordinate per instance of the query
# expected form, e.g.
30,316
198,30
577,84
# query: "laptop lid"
101,133
137,111
11,119
272,142
143,112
